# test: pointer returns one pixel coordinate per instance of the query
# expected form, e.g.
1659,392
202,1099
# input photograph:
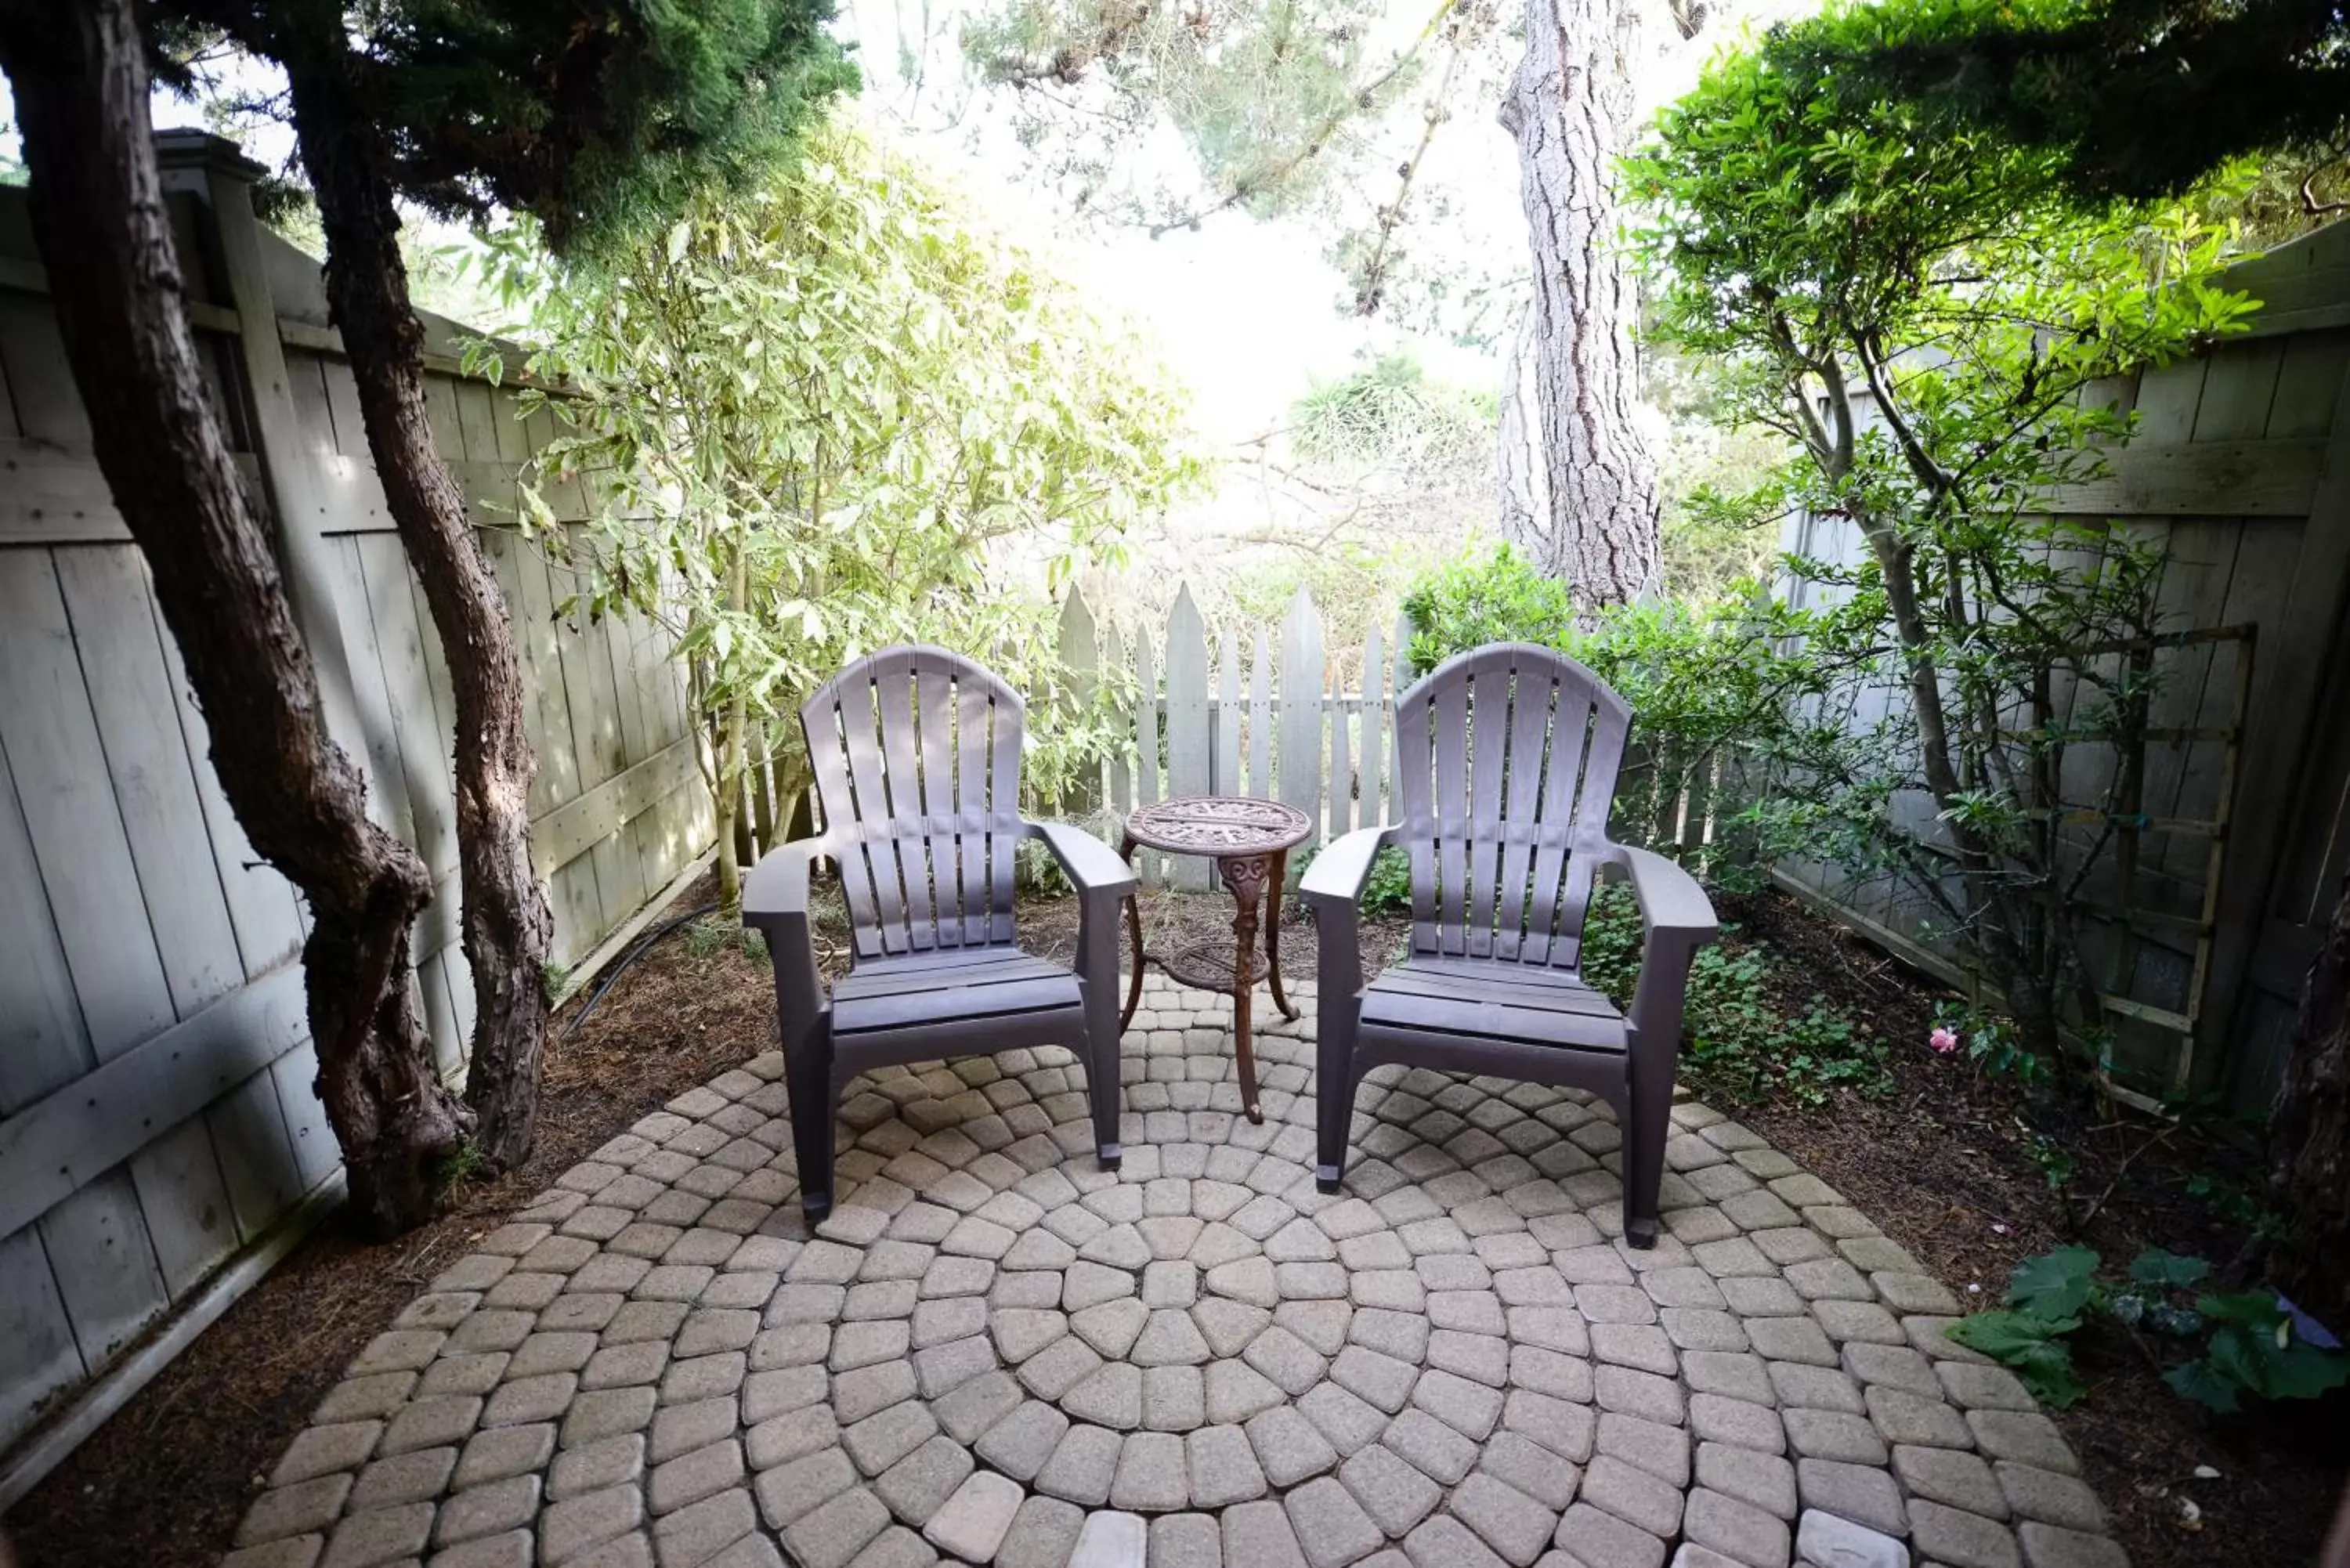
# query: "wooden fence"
160,1137
2239,471
1273,714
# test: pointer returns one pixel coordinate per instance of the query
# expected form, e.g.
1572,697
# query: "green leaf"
2029,1344
2198,1381
2054,1285
2168,1270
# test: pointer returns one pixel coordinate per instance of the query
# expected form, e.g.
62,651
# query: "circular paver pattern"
992,1351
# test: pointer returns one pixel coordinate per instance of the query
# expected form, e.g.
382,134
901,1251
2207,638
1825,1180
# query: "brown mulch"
1942,1162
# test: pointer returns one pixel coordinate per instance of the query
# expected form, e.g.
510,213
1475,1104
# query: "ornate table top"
1218,825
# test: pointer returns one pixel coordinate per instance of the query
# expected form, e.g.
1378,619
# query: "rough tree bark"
1592,518
2308,1135
506,923
78,70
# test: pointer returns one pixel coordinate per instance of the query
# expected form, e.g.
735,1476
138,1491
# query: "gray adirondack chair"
1506,759
916,753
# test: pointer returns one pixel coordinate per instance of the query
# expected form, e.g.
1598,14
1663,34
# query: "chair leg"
1644,1133
1333,1101
814,1101
1102,1083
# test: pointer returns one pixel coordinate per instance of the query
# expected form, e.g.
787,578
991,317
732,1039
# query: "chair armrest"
1091,866
1337,877
776,903
1672,902
1677,919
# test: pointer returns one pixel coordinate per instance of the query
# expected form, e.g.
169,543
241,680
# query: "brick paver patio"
993,1352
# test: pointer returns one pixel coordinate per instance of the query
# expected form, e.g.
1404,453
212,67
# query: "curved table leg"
1245,875
1134,941
1273,931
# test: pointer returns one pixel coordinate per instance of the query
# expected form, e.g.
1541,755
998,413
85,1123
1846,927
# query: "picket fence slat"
1260,774
1300,764
1188,733
1375,729
1330,754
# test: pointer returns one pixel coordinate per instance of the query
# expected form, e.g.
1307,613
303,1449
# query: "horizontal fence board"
2261,478
569,830
61,1144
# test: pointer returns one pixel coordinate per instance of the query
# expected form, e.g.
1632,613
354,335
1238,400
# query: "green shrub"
1742,1041
1389,891
2244,1345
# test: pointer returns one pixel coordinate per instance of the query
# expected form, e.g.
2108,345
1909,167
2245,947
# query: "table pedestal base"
1253,880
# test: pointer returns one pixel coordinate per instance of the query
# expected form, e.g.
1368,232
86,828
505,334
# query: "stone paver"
994,1352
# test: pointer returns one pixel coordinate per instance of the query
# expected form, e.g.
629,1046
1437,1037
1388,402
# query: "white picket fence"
1230,726
1270,718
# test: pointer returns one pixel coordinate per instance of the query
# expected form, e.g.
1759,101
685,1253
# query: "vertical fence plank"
1301,707
1225,777
1081,662
1259,716
105,588
1342,770
1121,763
1146,738
49,736
1374,728
1187,739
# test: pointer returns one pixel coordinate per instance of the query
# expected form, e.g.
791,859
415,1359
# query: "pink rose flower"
1943,1041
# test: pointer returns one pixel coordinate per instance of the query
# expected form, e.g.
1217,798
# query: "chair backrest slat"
1449,729
974,713
1506,759
916,758
1007,735
1530,719
893,700
934,721
1488,761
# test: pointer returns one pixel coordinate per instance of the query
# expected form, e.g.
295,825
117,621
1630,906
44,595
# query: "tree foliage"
2137,98
1926,317
597,118
834,412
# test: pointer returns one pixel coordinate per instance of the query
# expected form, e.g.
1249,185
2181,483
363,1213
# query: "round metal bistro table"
1249,841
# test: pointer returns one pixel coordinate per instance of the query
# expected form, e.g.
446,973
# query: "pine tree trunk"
79,74
1593,520
2309,1136
506,924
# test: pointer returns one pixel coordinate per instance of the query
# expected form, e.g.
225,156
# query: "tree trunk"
505,921
1593,521
79,74
2309,1136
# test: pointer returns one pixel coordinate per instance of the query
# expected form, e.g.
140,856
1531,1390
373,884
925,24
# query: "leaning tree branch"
78,70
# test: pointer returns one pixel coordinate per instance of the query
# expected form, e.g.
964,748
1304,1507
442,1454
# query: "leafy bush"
2246,1345
1741,1042
1476,599
1725,690
833,412
1391,412
1807,244
1389,891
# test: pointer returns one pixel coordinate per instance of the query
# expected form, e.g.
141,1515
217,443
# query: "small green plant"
2251,1346
553,980
1388,890
457,1168
1992,1046
1743,1040
2057,1163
